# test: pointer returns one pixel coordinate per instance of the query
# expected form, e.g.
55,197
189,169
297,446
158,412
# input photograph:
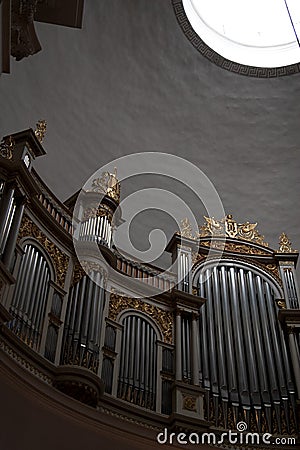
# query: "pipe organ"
244,362
138,362
96,229
30,296
81,341
217,344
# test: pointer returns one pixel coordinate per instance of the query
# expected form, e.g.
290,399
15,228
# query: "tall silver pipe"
229,343
42,307
204,334
183,347
39,298
126,344
178,345
23,272
258,341
73,306
211,331
29,288
267,341
87,309
250,351
35,290
219,335
28,275
240,351
137,353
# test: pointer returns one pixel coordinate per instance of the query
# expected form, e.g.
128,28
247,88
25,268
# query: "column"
195,341
178,350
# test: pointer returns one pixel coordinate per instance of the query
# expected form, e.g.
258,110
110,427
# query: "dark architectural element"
18,35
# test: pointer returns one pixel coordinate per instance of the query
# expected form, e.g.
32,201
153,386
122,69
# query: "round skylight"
260,33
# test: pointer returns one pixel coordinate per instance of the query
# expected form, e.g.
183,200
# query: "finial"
285,245
40,130
6,147
186,229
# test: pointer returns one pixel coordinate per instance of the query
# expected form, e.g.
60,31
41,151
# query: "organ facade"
213,343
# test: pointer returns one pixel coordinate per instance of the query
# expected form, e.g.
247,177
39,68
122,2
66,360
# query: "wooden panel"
68,12
5,35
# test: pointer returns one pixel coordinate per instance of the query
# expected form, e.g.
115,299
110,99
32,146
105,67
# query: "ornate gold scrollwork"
164,319
6,147
285,245
40,131
230,228
231,247
60,260
189,403
107,184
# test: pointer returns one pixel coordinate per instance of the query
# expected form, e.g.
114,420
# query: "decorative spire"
285,245
40,130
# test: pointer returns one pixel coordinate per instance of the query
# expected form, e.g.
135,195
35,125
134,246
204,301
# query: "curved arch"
152,322
31,294
137,381
31,241
244,361
230,261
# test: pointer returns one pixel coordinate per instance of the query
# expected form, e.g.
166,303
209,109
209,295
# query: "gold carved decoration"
164,319
281,304
285,245
107,184
40,130
78,273
189,403
102,210
232,229
7,146
186,229
231,247
60,260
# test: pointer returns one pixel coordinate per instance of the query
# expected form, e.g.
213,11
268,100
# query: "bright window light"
262,33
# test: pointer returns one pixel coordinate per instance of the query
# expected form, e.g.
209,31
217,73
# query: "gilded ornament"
78,273
60,260
164,319
232,247
6,147
232,229
281,304
285,245
189,403
107,184
40,130
186,229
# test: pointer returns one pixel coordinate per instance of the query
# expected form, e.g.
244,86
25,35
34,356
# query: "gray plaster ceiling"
130,81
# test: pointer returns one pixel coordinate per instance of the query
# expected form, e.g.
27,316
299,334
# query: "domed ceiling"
130,81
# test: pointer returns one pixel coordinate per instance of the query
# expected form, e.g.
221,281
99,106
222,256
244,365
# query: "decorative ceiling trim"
216,58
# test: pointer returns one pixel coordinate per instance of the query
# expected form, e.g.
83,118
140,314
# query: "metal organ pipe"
220,339
232,378
250,351
204,335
